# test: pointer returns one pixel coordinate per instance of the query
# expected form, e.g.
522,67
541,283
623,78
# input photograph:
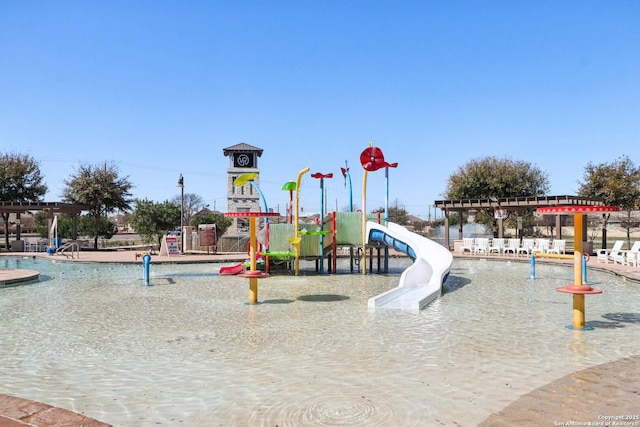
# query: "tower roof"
242,147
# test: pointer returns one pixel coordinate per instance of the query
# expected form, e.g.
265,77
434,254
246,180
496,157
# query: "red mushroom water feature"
578,289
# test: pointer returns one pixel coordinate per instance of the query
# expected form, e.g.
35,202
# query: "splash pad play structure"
419,284
289,243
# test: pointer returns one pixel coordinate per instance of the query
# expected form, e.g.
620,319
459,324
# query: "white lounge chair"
497,246
527,247
557,247
467,245
606,255
512,247
542,245
481,245
631,256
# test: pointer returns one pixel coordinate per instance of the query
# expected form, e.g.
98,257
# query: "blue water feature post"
146,260
532,274
584,269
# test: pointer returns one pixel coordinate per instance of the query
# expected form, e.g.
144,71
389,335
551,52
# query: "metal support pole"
181,185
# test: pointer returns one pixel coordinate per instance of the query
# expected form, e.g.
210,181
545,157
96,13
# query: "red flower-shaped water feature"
372,159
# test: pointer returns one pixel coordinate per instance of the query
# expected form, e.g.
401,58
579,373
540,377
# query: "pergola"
509,204
51,207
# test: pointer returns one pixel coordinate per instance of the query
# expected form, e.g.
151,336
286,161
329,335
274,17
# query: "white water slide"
420,283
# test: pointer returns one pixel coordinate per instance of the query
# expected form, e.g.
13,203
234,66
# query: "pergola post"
74,227
604,231
18,226
446,229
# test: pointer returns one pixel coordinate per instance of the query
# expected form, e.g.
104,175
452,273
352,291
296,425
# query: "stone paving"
586,397
16,412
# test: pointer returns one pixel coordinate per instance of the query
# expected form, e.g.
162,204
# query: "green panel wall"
278,237
349,228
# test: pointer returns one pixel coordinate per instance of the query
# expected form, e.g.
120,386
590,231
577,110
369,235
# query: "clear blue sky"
161,87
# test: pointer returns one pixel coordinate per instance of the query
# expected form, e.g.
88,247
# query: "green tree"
102,190
41,219
494,178
87,227
20,181
152,220
64,227
222,222
396,214
614,184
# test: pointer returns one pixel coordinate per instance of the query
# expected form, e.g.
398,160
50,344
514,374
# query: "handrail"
75,247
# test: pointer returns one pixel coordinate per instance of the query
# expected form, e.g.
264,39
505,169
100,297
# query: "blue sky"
161,87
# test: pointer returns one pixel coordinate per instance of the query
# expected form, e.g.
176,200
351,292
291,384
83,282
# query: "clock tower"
243,158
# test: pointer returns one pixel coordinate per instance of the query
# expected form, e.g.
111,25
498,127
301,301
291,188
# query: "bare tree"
193,204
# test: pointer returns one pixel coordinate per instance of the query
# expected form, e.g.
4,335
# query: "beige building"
243,158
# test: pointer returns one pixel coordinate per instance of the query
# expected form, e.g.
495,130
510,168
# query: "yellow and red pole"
253,281
578,299
296,234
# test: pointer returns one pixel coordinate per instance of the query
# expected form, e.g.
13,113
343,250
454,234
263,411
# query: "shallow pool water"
189,350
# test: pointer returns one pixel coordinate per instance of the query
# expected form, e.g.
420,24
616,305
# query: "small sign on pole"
207,236
500,213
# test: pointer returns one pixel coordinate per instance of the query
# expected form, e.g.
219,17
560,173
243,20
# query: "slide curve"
421,282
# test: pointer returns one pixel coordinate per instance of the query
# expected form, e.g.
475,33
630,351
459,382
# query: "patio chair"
527,247
606,255
618,257
512,247
30,245
557,247
481,245
497,246
631,256
542,245
467,245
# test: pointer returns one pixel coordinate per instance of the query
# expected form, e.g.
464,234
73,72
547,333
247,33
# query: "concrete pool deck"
593,395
